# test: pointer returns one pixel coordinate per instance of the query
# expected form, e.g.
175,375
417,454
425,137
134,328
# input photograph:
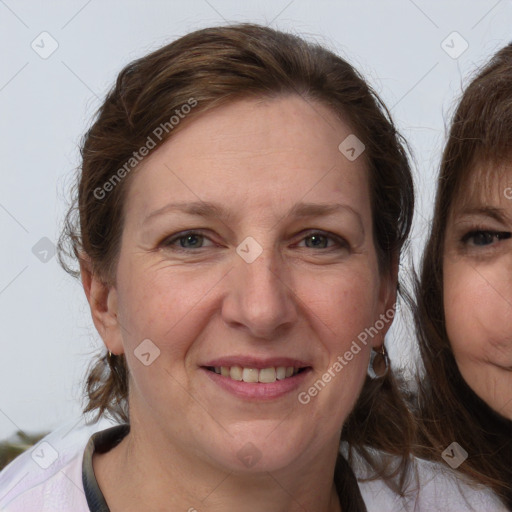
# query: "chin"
260,448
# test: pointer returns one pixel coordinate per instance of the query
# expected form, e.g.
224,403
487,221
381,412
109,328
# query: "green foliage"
10,449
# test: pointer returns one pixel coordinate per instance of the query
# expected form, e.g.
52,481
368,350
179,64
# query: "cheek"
459,306
350,308
339,303
478,315
349,322
171,308
180,311
156,300
162,302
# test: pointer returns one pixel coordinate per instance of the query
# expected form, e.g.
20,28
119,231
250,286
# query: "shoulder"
378,494
61,490
49,475
441,488
428,487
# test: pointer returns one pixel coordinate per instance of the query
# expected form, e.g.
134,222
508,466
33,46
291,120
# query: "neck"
140,474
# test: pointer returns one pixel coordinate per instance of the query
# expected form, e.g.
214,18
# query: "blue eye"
481,238
320,240
186,240
190,240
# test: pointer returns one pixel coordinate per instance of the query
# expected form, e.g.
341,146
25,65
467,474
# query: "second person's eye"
481,238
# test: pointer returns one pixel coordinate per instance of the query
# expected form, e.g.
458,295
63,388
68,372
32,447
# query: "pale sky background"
46,105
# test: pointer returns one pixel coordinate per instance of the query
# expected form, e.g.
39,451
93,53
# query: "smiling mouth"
253,375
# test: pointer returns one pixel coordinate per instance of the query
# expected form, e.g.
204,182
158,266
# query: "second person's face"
478,288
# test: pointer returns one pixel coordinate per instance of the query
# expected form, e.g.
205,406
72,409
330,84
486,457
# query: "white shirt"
437,489
48,478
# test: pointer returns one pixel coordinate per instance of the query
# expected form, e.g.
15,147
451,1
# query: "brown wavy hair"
480,137
214,66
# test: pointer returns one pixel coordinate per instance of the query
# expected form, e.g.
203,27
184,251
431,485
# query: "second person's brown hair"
448,410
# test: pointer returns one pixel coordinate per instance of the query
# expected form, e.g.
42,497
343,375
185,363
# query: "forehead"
259,151
485,183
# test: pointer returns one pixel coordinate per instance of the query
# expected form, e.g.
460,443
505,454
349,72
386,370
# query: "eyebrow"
207,209
486,211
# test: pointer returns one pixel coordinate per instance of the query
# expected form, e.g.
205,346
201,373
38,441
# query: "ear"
102,299
387,301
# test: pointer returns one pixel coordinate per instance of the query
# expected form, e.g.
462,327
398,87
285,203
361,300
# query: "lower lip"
258,390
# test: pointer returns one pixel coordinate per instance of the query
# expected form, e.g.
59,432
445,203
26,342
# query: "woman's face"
248,246
478,289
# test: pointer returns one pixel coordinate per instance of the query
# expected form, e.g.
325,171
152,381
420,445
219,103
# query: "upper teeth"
255,375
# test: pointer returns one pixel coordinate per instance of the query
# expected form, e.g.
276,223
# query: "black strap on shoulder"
99,442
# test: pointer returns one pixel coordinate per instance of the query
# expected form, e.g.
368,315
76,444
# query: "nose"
260,299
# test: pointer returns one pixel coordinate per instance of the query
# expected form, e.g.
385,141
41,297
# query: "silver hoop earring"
378,366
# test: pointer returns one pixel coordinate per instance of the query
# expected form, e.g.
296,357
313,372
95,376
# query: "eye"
320,240
483,238
185,240
190,240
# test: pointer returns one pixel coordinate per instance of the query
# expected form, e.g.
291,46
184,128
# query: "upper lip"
256,362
